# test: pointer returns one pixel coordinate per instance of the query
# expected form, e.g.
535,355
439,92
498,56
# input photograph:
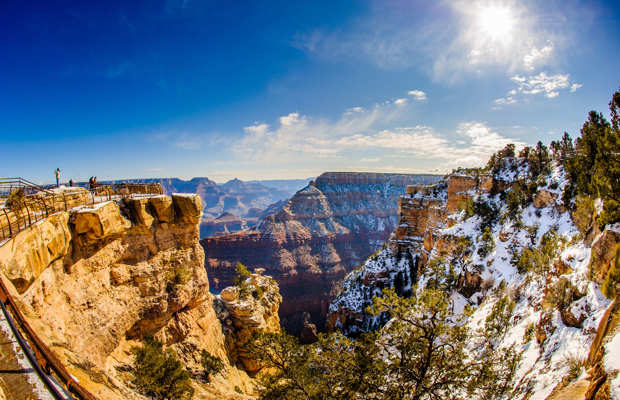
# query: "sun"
496,22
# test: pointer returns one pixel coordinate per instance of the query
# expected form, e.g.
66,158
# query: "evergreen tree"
594,169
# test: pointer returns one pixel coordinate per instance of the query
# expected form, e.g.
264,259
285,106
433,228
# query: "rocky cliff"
322,232
94,281
491,241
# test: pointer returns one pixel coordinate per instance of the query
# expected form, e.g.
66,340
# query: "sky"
280,89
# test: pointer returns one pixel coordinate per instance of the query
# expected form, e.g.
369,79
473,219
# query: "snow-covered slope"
536,257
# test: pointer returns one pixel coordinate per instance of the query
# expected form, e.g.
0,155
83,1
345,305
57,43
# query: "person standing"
57,177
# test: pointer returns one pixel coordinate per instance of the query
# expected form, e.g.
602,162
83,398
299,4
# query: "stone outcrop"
95,281
322,232
245,312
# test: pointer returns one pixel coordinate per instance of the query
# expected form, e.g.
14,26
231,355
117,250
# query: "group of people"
92,181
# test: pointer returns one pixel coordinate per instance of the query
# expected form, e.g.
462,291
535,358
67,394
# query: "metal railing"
38,203
39,354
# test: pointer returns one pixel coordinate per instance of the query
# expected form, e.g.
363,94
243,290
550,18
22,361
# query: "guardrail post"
9,221
28,211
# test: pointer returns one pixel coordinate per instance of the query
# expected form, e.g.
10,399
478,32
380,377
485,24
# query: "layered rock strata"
246,311
95,281
325,230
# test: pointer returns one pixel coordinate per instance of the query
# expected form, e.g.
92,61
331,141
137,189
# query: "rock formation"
245,311
559,309
322,232
94,281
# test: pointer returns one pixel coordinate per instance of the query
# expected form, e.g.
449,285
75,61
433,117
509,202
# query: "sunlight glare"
496,22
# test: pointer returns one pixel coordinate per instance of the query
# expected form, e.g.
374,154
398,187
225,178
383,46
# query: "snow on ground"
32,377
612,364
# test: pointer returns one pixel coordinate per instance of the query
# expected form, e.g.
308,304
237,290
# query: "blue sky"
280,89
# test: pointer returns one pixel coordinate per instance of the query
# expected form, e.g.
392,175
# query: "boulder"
544,198
100,221
188,207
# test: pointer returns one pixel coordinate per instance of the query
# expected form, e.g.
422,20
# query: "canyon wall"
320,234
95,281
473,237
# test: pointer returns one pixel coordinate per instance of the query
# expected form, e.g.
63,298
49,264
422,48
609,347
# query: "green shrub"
467,205
562,294
538,259
514,201
487,243
159,374
528,334
498,321
182,275
575,365
16,200
241,275
211,365
486,211
610,214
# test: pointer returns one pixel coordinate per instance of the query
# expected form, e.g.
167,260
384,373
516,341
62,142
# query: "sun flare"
496,22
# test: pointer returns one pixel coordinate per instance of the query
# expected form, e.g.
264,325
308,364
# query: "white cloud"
503,101
400,102
574,87
537,56
549,85
364,136
418,95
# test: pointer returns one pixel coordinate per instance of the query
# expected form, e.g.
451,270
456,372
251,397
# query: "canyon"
325,230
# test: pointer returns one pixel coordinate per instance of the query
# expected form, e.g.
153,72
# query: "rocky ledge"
94,281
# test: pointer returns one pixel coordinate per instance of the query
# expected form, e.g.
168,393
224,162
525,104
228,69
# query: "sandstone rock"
308,332
603,252
255,311
460,189
139,212
544,198
163,208
188,207
93,284
27,255
100,221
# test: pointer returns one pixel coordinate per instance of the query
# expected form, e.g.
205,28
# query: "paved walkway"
18,380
